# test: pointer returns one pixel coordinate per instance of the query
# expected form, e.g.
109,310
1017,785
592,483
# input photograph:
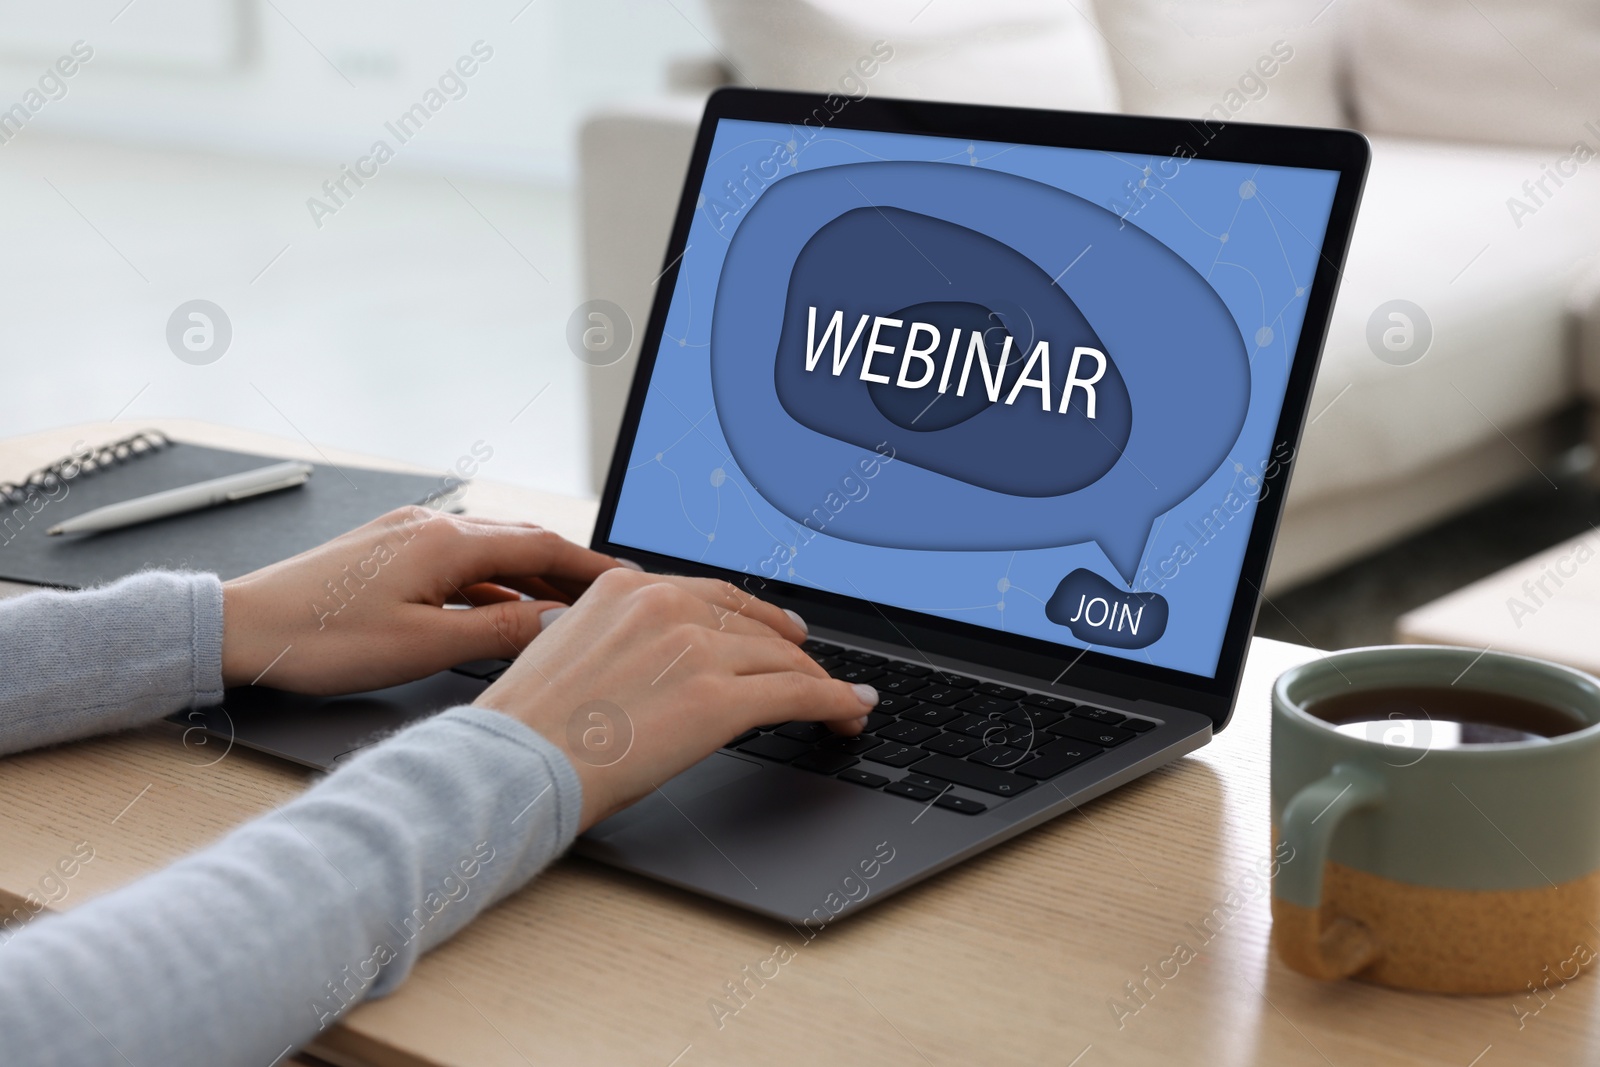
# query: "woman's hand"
645,676
366,610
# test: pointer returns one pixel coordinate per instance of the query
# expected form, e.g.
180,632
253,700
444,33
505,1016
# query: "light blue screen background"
1253,232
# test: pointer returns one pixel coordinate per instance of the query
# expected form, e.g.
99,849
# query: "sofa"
1482,210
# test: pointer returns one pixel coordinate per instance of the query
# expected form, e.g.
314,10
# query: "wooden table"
1016,957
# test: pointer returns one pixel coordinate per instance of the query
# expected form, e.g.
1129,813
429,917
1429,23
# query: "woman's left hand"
367,609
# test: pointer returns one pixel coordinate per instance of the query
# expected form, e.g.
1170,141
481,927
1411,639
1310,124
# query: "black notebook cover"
230,540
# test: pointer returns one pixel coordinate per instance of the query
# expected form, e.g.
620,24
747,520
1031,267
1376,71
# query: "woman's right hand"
646,675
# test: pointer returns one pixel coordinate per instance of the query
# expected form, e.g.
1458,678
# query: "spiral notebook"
230,540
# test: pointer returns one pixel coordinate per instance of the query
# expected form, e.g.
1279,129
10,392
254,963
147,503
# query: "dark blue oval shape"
1042,439
1098,613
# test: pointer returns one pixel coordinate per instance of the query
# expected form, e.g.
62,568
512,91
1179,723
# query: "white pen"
186,498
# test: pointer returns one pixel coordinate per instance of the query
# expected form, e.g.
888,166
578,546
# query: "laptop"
1004,402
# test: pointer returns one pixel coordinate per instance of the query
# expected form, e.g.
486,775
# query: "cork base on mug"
1440,940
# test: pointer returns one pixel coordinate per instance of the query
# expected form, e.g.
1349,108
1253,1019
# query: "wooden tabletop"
1023,955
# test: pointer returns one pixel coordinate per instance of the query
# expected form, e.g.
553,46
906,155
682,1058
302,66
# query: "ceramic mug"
1471,869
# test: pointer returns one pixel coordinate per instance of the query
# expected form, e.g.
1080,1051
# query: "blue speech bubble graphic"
868,264
1098,613
1033,260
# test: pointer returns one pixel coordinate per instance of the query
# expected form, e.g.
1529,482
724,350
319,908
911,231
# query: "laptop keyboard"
958,742
934,731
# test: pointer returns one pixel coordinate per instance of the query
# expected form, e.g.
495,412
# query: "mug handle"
1345,945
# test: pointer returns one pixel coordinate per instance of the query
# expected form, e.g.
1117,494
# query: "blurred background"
413,300
177,161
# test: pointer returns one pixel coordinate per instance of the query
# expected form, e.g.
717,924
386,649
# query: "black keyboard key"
976,725
1023,737
897,755
986,705
951,802
828,663
748,735
895,704
953,744
1048,703
930,715
1094,733
995,689
1037,718
911,792
1058,756
994,732
908,733
943,694
850,746
927,783
999,756
855,672
770,746
815,647
958,681
804,731
1029,738
899,683
866,778
871,659
1138,726
1099,715
877,720
482,668
914,670
825,762
976,776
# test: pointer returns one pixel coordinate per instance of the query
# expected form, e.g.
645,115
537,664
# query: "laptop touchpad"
713,772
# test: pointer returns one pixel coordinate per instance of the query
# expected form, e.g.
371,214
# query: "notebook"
229,541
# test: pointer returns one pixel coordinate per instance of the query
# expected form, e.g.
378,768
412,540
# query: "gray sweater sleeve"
250,947
75,664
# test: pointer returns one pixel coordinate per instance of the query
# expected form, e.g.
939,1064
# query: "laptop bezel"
1343,151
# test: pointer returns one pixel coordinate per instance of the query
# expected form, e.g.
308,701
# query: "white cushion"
1434,229
1508,71
1263,61
1030,53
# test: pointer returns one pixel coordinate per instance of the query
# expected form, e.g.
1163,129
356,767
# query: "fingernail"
798,621
548,616
628,563
862,722
867,694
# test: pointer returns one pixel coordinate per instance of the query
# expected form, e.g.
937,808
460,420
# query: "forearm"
258,942
75,664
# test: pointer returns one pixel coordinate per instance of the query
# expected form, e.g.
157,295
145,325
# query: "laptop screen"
1022,387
